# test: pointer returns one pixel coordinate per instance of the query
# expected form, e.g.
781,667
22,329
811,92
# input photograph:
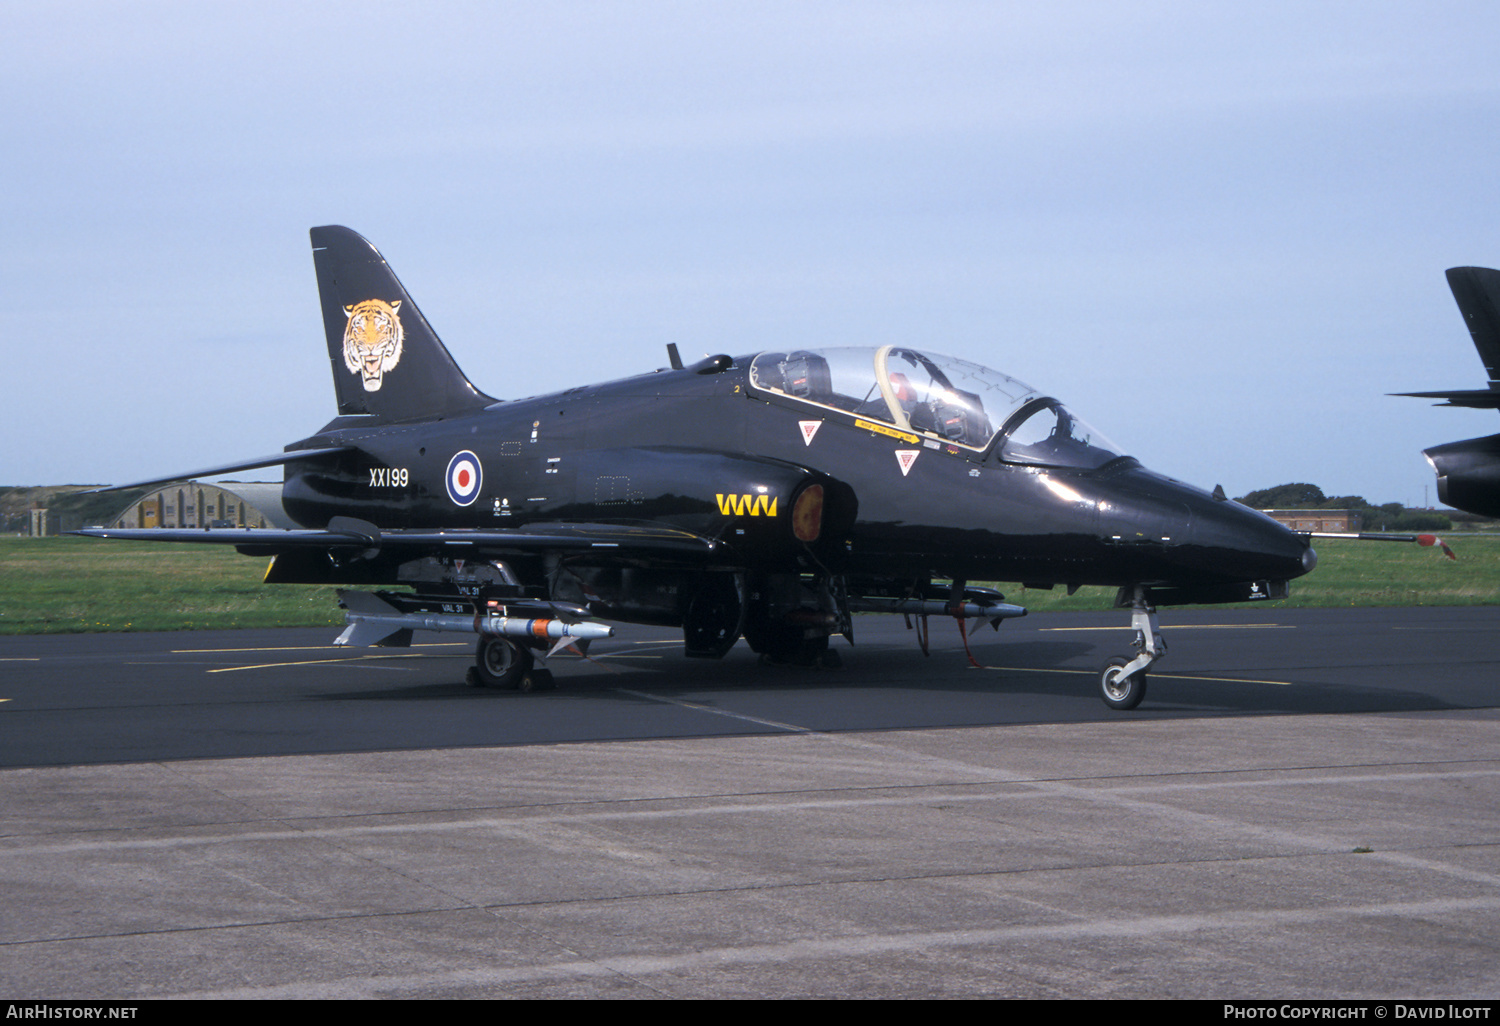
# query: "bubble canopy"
941,397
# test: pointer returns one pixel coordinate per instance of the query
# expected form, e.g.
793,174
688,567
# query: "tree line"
1389,516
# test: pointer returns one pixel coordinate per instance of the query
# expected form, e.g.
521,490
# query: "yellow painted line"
1160,677
1185,627
312,662
324,648
373,655
306,648
21,659
1436,628
1220,680
1153,676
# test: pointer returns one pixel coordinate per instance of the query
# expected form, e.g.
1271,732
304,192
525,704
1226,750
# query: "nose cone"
1196,538
1245,544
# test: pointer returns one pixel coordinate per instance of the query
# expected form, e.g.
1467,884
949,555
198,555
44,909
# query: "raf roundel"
464,478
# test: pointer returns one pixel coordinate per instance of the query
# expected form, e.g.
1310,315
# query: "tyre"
1119,691
500,663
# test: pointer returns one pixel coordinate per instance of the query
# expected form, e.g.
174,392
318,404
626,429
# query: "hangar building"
195,504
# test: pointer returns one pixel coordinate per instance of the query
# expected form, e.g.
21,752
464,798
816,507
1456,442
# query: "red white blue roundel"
464,478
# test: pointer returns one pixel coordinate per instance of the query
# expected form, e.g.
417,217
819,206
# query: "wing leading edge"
259,462
344,533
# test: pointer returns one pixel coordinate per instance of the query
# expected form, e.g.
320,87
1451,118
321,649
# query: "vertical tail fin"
387,360
1477,291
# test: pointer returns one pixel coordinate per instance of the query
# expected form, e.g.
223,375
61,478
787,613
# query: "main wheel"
1118,690
539,679
500,662
790,648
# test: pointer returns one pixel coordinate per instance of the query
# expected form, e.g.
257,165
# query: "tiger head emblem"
372,340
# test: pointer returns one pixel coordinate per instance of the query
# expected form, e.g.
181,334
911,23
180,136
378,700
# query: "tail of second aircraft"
387,360
1477,290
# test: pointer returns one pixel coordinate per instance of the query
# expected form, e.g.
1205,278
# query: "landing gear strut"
789,619
1122,684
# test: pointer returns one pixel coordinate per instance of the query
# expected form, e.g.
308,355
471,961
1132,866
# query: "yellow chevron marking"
746,505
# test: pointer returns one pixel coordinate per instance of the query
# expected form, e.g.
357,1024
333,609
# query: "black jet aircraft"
1468,472
769,496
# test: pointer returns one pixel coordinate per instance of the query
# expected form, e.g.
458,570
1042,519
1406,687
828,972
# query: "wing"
1474,398
280,458
344,534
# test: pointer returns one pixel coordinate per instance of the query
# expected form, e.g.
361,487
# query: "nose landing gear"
1119,689
1122,684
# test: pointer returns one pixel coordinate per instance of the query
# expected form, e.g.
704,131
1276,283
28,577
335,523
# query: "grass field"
72,585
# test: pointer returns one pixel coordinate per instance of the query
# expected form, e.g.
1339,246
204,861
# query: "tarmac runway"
1304,806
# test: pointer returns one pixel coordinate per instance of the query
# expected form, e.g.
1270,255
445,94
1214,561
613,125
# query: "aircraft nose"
1245,544
1200,538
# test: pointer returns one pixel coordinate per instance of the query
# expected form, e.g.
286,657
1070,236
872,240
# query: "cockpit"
937,397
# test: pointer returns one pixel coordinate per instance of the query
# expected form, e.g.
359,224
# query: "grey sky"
1218,231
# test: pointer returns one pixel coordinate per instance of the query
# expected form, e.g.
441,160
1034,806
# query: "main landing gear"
505,664
1122,684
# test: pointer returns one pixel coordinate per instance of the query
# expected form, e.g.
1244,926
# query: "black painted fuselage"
713,455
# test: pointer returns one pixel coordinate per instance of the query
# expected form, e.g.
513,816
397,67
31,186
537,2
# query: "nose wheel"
1122,684
1119,689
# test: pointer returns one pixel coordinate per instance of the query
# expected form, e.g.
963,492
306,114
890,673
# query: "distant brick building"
1333,521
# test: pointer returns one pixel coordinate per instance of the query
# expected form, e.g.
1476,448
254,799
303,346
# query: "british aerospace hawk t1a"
768,497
